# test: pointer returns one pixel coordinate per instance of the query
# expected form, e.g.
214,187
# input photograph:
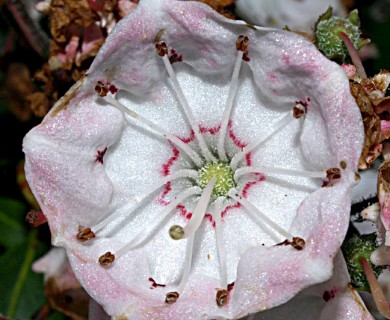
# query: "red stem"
354,55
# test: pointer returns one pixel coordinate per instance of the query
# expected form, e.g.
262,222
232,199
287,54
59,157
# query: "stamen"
298,243
106,259
177,232
220,240
85,235
298,111
188,263
171,297
160,47
258,215
156,129
275,128
156,223
35,218
275,170
185,173
221,297
240,44
333,174
101,88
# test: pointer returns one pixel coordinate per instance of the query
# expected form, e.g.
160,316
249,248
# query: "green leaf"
22,290
12,227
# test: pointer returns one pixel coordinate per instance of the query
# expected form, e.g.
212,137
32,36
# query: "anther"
101,89
176,232
333,174
343,164
298,243
161,48
357,177
171,297
298,111
242,43
85,235
106,259
35,218
221,297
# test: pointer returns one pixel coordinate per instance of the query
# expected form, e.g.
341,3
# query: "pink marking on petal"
167,189
99,156
230,207
175,57
234,138
212,130
329,294
248,159
250,184
113,89
188,139
272,77
209,217
286,59
166,167
154,284
182,209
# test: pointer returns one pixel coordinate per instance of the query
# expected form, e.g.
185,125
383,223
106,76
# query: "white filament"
156,223
187,110
275,170
272,130
187,264
259,216
185,173
220,240
229,106
200,209
156,129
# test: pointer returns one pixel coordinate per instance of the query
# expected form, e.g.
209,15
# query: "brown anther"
298,112
343,164
85,235
35,218
106,259
357,177
171,297
298,243
242,43
101,89
161,48
333,173
221,297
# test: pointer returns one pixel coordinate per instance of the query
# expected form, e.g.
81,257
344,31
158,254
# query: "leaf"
20,286
12,228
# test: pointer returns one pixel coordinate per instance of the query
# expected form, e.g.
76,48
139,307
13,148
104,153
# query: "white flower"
191,184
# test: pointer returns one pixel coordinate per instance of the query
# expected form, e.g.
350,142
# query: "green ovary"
224,177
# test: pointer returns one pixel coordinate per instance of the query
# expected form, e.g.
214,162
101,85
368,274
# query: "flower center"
223,174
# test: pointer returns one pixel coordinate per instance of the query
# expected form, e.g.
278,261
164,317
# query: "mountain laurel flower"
201,169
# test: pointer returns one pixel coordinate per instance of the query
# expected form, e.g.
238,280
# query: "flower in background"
296,15
202,168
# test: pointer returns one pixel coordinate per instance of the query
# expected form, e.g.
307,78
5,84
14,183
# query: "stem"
32,241
376,290
354,55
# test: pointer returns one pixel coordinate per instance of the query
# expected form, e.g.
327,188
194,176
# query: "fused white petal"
105,178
